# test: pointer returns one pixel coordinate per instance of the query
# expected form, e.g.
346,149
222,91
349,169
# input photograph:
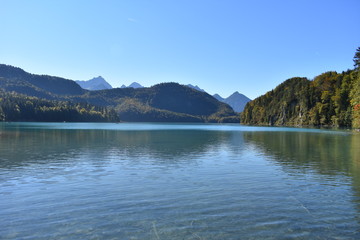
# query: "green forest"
59,99
330,99
164,102
18,107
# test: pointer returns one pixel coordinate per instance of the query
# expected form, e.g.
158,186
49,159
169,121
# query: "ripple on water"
178,182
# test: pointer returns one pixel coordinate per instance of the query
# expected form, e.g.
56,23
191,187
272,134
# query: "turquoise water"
177,181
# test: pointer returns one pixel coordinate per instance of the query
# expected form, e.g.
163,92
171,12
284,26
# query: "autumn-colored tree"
355,92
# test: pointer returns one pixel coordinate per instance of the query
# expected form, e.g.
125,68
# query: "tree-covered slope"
170,102
331,99
55,85
328,100
18,107
163,102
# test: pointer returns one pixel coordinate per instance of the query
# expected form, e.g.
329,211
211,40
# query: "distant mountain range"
97,83
236,100
133,85
166,102
195,87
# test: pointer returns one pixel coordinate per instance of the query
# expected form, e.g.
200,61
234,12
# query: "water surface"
177,181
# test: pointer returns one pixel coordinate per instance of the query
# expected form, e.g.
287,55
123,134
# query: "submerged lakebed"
177,181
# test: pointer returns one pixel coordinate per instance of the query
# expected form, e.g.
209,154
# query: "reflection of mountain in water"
25,147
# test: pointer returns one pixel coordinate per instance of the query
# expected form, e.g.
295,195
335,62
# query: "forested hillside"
166,102
55,85
18,107
331,99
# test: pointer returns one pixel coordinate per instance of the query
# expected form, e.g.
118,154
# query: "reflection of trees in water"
355,171
324,153
21,147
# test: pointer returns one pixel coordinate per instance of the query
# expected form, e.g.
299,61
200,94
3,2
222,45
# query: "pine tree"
357,59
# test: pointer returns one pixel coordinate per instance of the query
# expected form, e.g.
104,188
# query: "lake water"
177,181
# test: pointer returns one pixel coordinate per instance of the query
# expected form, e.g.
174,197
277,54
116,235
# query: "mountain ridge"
43,82
161,102
96,83
236,100
196,87
132,85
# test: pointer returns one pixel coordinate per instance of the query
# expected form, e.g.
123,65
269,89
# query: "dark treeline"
18,107
331,99
133,110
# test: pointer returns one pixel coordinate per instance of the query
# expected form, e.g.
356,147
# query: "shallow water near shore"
177,181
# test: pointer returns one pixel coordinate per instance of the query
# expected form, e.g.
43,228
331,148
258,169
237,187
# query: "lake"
177,181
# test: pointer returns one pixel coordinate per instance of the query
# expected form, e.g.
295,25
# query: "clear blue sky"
221,45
